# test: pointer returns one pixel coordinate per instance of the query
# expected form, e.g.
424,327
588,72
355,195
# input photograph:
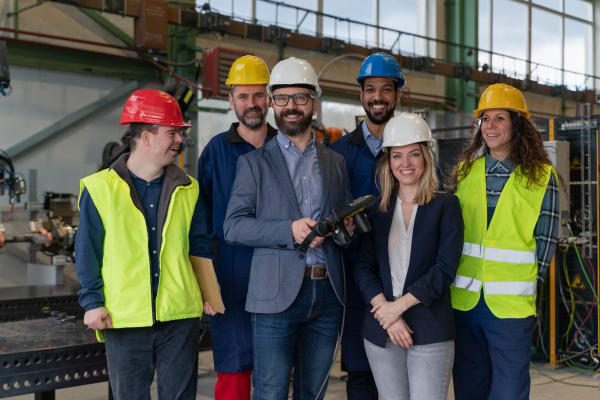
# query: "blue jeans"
492,355
305,334
169,348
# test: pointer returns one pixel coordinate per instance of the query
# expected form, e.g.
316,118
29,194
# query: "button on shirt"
149,193
305,173
372,142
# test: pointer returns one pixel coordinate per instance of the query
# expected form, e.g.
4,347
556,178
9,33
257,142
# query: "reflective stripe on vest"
500,259
470,284
513,288
501,255
516,288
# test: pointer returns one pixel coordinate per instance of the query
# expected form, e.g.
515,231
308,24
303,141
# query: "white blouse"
399,244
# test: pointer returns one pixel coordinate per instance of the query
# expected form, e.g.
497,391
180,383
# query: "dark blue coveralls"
361,166
231,333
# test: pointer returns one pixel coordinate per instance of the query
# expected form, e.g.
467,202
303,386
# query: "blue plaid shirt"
546,229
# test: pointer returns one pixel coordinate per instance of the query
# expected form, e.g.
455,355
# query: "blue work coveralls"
231,333
361,166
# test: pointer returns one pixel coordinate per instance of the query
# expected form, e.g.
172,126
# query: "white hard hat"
406,129
294,72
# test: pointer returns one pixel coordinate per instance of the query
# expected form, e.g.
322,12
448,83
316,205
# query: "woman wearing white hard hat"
508,192
405,266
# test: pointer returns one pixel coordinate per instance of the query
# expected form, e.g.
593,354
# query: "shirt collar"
286,143
158,180
233,137
370,140
491,164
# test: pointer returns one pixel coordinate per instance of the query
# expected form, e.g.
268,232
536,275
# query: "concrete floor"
546,384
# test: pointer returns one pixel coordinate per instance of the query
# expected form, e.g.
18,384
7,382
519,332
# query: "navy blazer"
260,213
437,245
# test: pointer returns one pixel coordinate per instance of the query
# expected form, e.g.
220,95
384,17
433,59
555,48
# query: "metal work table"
32,302
39,356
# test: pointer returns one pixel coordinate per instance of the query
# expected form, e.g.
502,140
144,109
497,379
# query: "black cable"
7,160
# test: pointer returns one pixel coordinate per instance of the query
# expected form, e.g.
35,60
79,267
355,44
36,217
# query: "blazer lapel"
325,160
415,250
386,225
277,162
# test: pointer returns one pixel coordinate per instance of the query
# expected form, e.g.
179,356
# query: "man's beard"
293,128
251,123
382,119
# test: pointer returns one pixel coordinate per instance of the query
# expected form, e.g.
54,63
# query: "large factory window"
391,24
548,41
545,46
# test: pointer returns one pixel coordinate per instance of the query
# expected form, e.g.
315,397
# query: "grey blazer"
261,209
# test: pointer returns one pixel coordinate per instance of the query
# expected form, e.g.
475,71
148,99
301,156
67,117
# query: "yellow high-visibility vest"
500,260
126,260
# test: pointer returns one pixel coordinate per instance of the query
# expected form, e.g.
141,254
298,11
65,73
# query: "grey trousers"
419,373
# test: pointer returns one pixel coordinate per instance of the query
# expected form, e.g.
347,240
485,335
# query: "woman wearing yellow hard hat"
508,192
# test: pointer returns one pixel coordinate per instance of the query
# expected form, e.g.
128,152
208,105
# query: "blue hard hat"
381,64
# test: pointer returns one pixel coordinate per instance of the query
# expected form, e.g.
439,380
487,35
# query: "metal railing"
405,43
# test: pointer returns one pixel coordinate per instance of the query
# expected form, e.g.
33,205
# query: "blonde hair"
388,184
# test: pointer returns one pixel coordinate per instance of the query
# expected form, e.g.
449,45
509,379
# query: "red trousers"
233,386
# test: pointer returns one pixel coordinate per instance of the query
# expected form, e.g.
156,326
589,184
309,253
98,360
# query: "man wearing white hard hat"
281,192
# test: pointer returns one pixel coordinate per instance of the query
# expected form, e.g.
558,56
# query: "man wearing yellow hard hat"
231,332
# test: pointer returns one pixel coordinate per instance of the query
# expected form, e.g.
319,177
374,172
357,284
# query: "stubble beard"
251,123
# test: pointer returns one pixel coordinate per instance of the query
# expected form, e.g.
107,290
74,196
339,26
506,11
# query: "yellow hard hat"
248,70
501,95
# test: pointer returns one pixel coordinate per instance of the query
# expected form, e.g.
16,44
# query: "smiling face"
496,129
407,164
164,144
292,119
250,105
379,99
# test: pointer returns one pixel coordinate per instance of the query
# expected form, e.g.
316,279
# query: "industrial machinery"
54,235
51,233
43,348
568,315
10,180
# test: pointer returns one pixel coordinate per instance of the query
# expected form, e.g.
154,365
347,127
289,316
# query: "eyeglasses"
299,99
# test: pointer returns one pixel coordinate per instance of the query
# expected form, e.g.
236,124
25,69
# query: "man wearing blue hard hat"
380,79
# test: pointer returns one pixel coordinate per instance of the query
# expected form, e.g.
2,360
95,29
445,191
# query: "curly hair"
526,150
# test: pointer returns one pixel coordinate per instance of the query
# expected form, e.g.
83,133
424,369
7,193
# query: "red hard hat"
150,106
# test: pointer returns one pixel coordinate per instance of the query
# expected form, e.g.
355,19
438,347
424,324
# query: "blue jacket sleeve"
366,271
89,244
200,244
205,180
437,280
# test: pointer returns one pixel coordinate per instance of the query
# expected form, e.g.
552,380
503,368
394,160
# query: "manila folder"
205,274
